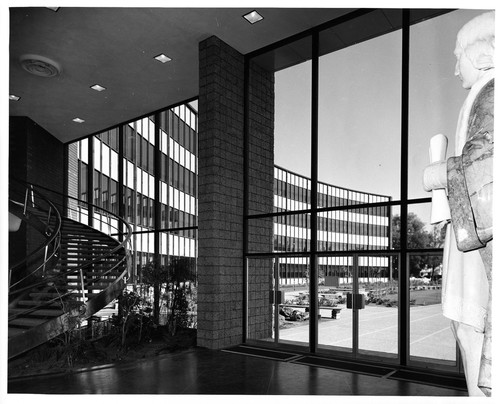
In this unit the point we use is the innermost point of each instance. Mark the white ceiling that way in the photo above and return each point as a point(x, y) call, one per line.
point(115, 47)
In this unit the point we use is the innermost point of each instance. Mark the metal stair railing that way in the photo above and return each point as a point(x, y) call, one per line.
point(117, 257)
point(40, 215)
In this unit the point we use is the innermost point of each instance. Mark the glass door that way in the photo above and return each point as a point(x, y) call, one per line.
point(292, 314)
point(336, 288)
point(358, 305)
point(377, 318)
point(278, 300)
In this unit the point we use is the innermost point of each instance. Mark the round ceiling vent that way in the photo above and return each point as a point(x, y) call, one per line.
point(40, 65)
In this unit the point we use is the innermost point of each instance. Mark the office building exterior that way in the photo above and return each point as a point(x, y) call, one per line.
point(146, 172)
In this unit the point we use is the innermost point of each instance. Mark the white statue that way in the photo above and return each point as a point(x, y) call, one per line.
point(468, 180)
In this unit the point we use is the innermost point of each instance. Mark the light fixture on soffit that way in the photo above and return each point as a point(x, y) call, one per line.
point(98, 87)
point(253, 16)
point(163, 58)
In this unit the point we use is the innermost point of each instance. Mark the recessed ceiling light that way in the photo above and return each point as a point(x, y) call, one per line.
point(252, 17)
point(162, 58)
point(13, 97)
point(97, 87)
point(78, 120)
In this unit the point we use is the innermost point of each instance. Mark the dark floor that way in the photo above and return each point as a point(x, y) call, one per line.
point(202, 371)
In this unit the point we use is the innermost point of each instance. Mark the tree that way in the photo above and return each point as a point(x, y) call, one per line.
point(175, 277)
point(181, 270)
point(418, 238)
point(155, 275)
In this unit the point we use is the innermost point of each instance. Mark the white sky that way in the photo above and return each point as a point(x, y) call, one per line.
point(360, 108)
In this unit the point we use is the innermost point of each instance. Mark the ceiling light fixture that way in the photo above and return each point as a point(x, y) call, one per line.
point(40, 65)
point(13, 97)
point(97, 87)
point(78, 120)
point(162, 58)
point(252, 17)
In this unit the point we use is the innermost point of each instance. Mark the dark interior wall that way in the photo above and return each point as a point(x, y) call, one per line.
point(35, 155)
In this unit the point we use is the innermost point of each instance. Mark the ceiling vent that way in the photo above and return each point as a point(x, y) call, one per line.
point(40, 65)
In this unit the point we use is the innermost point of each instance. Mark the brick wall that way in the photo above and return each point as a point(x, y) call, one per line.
point(260, 199)
point(221, 192)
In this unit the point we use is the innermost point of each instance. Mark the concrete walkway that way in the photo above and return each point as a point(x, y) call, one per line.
point(430, 333)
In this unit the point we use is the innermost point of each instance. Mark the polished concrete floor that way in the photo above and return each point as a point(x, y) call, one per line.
point(202, 371)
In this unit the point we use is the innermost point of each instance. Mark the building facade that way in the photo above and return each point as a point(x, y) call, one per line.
point(338, 230)
point(123, 178)
point(146, 172)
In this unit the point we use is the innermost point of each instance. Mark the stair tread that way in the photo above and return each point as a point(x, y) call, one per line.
point(31, 303)
point(14, 331)
point(80, 246)
point(27, 322)
point(37, 313)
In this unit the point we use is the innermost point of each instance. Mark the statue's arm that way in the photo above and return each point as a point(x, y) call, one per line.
point(470, 177)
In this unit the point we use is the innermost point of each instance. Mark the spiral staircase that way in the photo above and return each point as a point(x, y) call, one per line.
point(65, 271)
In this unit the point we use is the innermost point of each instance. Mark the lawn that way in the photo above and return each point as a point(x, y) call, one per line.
point(426, 297)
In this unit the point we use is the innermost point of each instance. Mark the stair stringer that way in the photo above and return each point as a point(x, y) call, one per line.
point(48, 330)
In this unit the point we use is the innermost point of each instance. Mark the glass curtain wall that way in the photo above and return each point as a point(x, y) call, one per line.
point(355, 264)
point(359, 143)
point(152, 163)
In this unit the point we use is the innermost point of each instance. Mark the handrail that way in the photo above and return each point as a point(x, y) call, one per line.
point(127, 234)
point(111, 256)
point(52, 237)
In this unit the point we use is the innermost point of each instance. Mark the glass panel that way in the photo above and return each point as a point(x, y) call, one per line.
point(430, 333)
point(292, 141)
point(359, 121)
point(436, 95)
point(335, 327)
point(422, 234)
point(292, 233)
point(354, 229)
point(260, 299)
point(294, 276)
point(378, 320)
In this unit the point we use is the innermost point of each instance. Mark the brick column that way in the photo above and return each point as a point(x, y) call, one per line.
point(260, 199)
point(221, 189)
point(220, 195)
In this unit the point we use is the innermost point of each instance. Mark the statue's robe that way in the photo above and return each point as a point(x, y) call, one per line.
point(467, 271)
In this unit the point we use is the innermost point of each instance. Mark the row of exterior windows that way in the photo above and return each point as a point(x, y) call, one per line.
point(293, 271)
point(180, 131)
point(170, 216)
point(335, 225)
point(178, 176)
point(300, 194)
point(296, 244)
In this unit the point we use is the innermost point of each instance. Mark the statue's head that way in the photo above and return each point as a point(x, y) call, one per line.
point(475, 48)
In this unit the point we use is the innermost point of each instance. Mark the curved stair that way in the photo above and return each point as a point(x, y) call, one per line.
point(88, 273)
